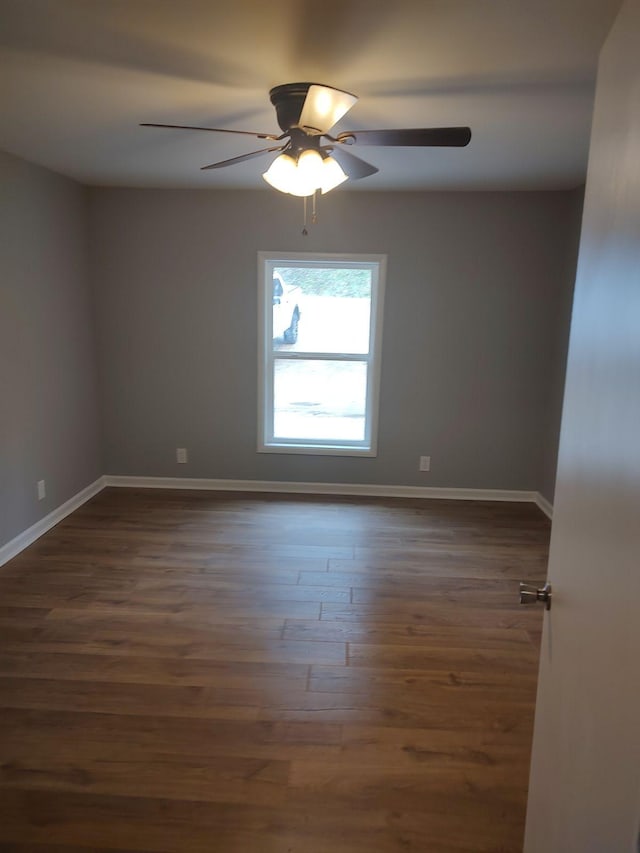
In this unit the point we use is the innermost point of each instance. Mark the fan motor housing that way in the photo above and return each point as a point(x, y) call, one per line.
point(288, 100)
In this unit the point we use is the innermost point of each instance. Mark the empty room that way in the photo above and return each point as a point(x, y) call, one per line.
point(320, 393)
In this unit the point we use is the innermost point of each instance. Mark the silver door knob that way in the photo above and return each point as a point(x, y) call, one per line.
point(529, 594)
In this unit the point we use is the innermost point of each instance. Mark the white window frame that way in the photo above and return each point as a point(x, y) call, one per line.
point(267, 262)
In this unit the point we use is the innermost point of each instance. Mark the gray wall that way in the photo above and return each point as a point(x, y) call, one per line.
point(48, 409)
point(478, 284)
point(559, 344)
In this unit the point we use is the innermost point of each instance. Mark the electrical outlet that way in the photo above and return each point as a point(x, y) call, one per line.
point(42, 490)
point(181, 455)
point(425, 463)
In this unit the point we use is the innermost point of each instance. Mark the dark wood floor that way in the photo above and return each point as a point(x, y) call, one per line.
point(187, 672)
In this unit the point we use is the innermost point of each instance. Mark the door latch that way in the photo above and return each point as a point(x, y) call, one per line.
point(529, 594)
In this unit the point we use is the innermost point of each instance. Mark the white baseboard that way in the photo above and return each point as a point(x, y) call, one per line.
point(24, 539)
point(354, 489)
point(544, 505)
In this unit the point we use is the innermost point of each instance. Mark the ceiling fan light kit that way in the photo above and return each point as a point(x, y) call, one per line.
point(310, 159)
point(310, 173)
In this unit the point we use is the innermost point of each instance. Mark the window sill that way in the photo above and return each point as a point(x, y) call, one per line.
point(317, 450)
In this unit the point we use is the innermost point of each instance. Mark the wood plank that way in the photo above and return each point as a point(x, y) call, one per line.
point(459, 685)
point(30, 847)
point(126, 698)
point(423, 636)
point(412, 657)
point(113, 593)
point(424, 612)
point(218, 779)
point(455, 561)
point(400, 710)
point(191, 672)
point(67, 637)
point(35, 732)
point(174, 826)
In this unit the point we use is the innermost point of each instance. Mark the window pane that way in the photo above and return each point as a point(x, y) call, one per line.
point(321, 309)
point(319, 399)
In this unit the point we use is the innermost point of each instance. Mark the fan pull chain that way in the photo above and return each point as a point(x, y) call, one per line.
point(314, 213)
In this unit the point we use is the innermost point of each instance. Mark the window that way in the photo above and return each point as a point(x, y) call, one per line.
point(320, 331)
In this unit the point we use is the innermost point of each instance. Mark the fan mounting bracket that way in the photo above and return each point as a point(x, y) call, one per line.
point(301, 141)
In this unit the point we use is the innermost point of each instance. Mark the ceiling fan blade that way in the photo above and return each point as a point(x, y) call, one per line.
point(352, 166)
point(233, 160)
point(323, 107)
point(450, 137)
point(213, 130)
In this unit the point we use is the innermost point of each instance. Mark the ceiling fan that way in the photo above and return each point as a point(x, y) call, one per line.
point(310, 159)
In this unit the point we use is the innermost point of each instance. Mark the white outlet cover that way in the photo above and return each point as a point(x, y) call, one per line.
point(42, 491)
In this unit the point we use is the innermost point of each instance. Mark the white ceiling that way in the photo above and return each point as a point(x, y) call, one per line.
point(77, 76)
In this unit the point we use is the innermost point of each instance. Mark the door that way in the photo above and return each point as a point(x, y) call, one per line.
point(585, 777)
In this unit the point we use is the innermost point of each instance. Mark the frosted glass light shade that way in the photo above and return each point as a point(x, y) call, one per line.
point(332, 175)
point(310, 169)
point(323, 107)
point(281, 174)
point(301, 189)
